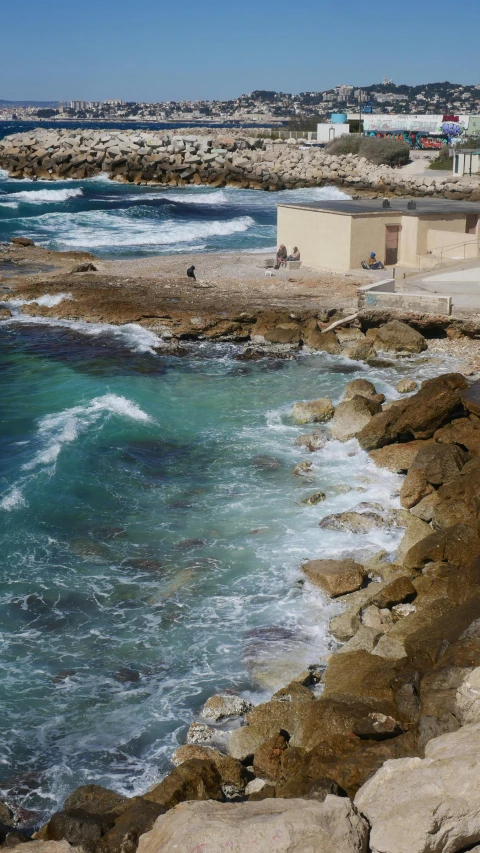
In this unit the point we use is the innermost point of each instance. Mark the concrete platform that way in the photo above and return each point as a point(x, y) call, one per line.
point(461, 282)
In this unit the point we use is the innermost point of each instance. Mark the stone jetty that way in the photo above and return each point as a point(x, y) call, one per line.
point(152, 158)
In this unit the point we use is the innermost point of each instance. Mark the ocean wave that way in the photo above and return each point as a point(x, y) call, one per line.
point(64, 427)
point(96, 229)
point(211, 197)
point(43, 196)
point(132, 335)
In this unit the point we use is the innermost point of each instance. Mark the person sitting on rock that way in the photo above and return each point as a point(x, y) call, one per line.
point(373, 263)
point(282, 255)
point(191, 272)
point(295, 256)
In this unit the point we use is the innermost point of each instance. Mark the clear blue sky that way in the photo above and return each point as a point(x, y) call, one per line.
point(153, 50)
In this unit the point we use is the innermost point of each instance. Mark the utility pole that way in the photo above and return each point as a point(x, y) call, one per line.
point(360, 111)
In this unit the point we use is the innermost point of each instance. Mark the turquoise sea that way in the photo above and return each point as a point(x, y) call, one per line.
point(152, 529)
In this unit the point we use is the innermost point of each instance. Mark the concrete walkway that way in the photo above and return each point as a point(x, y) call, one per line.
point(461, 282)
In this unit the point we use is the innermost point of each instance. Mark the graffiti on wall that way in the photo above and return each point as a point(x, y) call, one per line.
point(415, 140)
point(417, 129)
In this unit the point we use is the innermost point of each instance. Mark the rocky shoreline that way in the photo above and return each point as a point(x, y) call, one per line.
point(216, 159)
point(377, 749)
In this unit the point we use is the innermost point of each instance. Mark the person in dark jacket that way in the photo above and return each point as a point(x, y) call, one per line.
point(191, 272)
point(373, 263)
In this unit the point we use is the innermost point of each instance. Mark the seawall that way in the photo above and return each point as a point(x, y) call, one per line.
point(163, 157)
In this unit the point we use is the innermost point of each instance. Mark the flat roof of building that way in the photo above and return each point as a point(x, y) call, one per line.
point(371, 206)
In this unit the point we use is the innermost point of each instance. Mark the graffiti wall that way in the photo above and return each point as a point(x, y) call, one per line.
point(420, 131)
point(414, 139)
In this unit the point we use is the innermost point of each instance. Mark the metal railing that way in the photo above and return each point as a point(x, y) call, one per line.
point(448, 247)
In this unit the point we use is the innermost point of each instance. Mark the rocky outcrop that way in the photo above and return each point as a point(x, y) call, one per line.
point(166, 157)
point(282, 826)
point(418, 416)
point(429, 805)
point(335, 577)
point(352, 415)
point(398, 337)
point(314, 411)
point(192, 780)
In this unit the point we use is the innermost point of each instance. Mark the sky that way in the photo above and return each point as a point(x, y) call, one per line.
point(157, 50)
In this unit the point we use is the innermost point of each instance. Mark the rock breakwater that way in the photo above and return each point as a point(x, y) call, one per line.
point(154, 158)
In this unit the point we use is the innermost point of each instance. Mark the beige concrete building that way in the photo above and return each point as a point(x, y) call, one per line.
point(339, 235)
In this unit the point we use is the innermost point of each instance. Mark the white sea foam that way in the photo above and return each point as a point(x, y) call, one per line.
point(206, 197)
point(56, 430)
point(44, 196)
point(48, 300)
point(12, 500)
point(134, 336)
point(99, 228)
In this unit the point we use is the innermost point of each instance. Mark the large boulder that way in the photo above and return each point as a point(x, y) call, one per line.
point(416, 530)
point(433, 465)
point(415, 488)
point(352, 415)
point(467, 698)
point(192, 780)
point(463, 431)
point(233, 773)
point(313, 411)
point(396, 336)
point(419, 416)
point(397, 457)
point(78, 827)
point(323, 341)
point(222, 705)
point(458, 501)
point(268, 826)
point(351, 521)
point(406, 386)
point(363, 387)
point(138, 818)
point(268, 757)
point(95, 799)
point(429, 805)
point(335, 577)
point(458, 545)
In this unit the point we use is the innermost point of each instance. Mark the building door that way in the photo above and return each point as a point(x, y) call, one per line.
point(471, 223)
point(391, 244)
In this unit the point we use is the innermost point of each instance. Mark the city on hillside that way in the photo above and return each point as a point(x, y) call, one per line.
point(263, 106)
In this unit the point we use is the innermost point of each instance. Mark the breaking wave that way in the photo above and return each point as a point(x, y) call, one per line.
point(42, 196)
